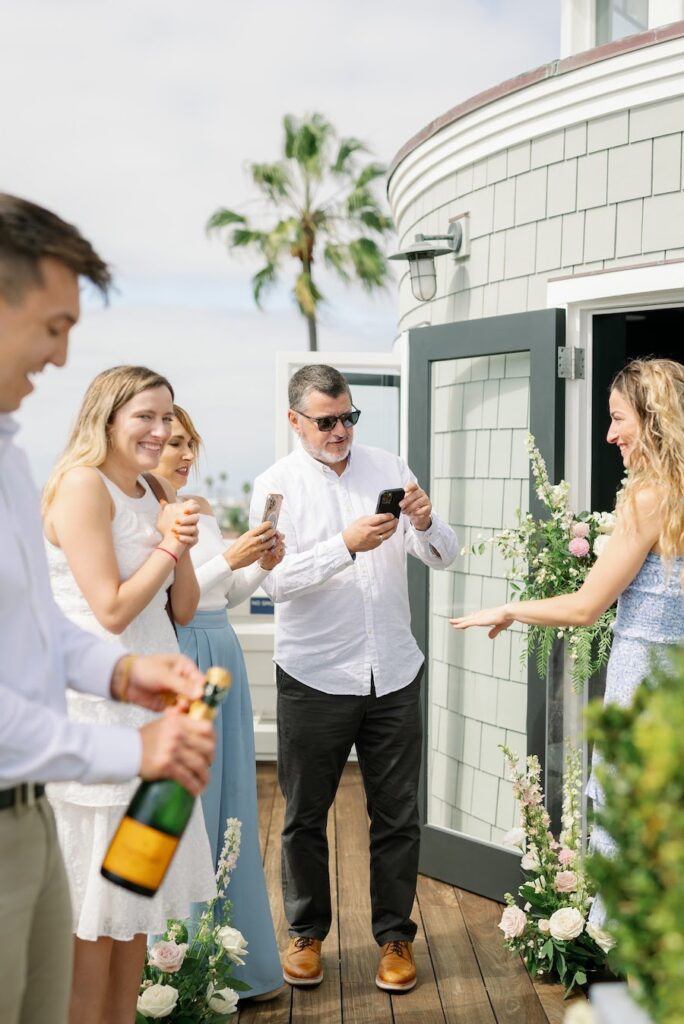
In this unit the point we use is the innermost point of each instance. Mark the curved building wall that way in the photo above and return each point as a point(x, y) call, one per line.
point(574, 167)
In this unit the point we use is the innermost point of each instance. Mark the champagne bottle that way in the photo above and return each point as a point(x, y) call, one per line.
point(143, 846)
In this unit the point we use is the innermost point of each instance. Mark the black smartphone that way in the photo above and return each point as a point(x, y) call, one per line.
point(388, 501)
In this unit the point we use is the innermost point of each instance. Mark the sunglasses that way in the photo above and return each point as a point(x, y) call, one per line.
point(327, 423)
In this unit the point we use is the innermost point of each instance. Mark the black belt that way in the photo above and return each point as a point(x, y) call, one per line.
point(25, 793)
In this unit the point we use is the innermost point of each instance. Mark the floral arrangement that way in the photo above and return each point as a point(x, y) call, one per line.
point(187, 978)
point(642, 888)
point(551, 933)
point(553, 556)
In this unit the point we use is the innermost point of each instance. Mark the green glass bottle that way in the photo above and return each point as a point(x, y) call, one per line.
point(146, 840)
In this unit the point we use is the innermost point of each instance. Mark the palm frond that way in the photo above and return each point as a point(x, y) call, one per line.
point(240, 238)
point(370, 263)
point(346, 150)
point(307, 141)
point(222, 217)
point(307, 295)
point(371, 172)
point(376, 221)
point(263, 280)
point(336, 256)
point(272, 179)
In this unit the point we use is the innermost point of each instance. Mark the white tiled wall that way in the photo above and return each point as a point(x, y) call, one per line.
point(478, 689)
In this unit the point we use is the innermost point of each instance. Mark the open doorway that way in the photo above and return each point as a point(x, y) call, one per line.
point(617, 338)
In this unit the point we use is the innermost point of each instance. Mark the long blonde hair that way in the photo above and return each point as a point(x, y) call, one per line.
point(655, 390)
point(87, 445)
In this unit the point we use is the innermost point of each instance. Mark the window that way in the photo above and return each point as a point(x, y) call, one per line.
point(618, 18)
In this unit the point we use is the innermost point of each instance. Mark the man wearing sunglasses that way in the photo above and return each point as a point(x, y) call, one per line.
point(347, 666)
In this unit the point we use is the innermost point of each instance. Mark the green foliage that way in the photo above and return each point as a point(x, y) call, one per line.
point(543, 564)
point(554, 881)
point(203, 954)
point(642, 748)
point(322, 197)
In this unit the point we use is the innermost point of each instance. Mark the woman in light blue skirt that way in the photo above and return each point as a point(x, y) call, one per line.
point(227, 576)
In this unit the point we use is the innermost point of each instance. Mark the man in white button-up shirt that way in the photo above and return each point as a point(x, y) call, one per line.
point(41, 652)
point(348, 666)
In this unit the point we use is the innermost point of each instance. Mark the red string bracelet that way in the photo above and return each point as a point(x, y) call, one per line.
point(160, 548)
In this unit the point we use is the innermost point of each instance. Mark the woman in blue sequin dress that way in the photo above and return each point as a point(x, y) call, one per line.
point(642, 565)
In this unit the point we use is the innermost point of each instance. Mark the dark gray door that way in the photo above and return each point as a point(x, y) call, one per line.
point(476, 389)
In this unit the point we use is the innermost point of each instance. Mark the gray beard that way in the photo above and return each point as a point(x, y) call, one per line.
point(327, 457)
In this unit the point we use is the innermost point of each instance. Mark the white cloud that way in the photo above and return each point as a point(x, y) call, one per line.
point(136, 119)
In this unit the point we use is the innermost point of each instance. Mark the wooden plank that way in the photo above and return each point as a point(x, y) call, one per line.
point(550, 995)
point(462, 989)
point(266, 787)
point(275, 1011)
point(422, 1005)
point(510, 990)
point(362, 1001)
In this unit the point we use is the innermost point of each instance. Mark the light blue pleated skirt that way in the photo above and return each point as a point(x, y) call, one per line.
point(231, 793)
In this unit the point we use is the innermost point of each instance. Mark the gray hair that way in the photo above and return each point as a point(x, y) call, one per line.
point(316, 377)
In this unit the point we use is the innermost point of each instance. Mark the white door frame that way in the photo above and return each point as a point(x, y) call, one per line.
point(287, 363)
point(645, 286)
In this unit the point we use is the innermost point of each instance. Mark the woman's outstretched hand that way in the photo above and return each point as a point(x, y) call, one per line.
point(498, 618)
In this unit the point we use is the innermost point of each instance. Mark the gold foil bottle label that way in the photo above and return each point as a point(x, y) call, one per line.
point(140, 854)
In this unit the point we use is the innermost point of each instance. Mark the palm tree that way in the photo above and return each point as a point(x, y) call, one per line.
point(321, 197)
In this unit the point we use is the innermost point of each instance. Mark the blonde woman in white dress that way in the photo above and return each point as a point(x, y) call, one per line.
point(113, 553)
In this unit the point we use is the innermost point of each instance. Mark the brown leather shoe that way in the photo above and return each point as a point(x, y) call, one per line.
point(302, 962)
point(397, 969)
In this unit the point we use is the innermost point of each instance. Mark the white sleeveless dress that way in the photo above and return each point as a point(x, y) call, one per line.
point(87, 816)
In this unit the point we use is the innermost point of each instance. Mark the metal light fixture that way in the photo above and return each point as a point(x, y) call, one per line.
point(421, 259)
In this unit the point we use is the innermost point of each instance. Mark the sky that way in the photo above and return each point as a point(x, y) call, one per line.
point(136, 120)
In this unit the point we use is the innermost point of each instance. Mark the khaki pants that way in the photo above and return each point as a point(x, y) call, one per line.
point(36, 943)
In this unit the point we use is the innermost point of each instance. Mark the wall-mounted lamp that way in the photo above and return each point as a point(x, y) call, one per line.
point(421, 259)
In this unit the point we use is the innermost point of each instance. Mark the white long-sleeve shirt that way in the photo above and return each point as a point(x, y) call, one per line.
point(343, 617)
point(219, 584)
point(41, 652)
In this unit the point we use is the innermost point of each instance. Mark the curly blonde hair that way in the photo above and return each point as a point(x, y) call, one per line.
point(654, 388)
point(87, 445)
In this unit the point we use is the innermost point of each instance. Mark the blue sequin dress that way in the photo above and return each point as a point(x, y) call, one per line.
point(650, 615)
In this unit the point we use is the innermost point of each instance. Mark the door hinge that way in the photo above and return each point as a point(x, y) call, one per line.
point(570, 363)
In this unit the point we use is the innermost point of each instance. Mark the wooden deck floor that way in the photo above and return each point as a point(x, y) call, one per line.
point(464, 973)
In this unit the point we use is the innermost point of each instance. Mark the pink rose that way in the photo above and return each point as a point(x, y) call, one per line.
point(544, 926)
point(513, 922)
point(580, 529)
point(565, 881)
point(579, 546)
point(566, 856)
point(167, 956)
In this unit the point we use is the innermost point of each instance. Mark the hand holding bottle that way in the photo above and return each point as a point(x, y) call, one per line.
point(150, 680)
point(178, 747)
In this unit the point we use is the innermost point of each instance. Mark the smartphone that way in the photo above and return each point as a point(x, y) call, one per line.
point(388, 501)
point(272, 509)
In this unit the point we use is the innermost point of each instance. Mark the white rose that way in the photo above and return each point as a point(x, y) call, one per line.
point(566, 923)
point(515, 837)
point(167, 956)
point(234, 943)
point(157, 1001)
point(530, 860)
point(602, 939)
point(580, 1013)
point(512, 922)
point(543, 925)
point(600, 544)
point(222, 1000)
